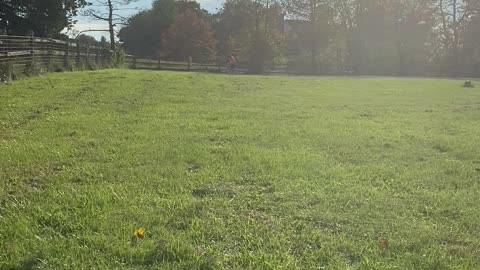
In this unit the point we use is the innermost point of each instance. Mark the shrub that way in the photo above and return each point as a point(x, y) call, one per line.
point(6, 72)
point(71, 66)
point(34, 68)
point(54, 66)
point(280, 60)
point(81, 65)
point(119, 58)
point(302, 64)
point(91, 65)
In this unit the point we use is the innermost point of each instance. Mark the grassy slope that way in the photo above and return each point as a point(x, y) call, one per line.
point(238, 172)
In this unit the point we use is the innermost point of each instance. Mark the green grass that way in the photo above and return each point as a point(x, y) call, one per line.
point(238, 172)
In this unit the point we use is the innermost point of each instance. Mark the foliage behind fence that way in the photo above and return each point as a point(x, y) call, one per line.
point(24, 55)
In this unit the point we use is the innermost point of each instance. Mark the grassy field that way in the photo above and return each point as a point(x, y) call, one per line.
point(238, 172)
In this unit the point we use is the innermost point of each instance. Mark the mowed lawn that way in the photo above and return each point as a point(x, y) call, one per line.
point(238, 172)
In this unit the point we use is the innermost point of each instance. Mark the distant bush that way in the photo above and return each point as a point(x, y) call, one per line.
point(90, 65)
point(55, 66)
point(81, 65)
point(71, 66)
point(119, 58)
point(302, 65)
point(6, 72)
point(280, 60)
point(34, 68)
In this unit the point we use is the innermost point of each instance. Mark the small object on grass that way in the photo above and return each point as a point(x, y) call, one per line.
point(383, 243)
point(468, 84)
point(139, 233)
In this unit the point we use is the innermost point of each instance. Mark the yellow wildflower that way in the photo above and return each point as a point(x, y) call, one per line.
point(140, 232)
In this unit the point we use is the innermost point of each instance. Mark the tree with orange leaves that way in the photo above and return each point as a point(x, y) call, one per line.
point(189, 36)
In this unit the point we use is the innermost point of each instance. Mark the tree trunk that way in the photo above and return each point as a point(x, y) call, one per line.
point(444, 26)
point(111, 26)
point(266, 18)
point(455, 39)
point(398, 43)
point(313, 49)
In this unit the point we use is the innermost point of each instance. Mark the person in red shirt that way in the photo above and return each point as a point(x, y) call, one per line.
point(231, 62)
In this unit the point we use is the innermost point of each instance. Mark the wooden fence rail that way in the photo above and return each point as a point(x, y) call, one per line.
point(219, 66)
point(22, 51)
point(157, 64)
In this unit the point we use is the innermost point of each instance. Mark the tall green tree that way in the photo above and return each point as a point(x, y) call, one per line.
point(455, 21)
point(371, 37)
point(250, 29)
point(41, 17)
point(142, 34)
point(390, 36)
point(315, 35)
point(471, 42)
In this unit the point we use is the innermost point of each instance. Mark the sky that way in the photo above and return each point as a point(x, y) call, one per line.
point(89, 24)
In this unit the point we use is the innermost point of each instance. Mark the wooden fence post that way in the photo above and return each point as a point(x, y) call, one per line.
point(96, 55)
point(159, 65)
point(189, 63)
point(87, 54)
point(51, 61)
point(67, 54)
point(104, 56)
point(7, 75)
point(32, 47)
point(78, 52)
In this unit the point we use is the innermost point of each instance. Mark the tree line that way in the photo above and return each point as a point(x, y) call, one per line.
point(362, 37)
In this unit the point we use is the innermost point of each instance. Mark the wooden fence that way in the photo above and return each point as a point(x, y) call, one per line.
point(20, 51)
point(218, 66)
point(158, 64)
